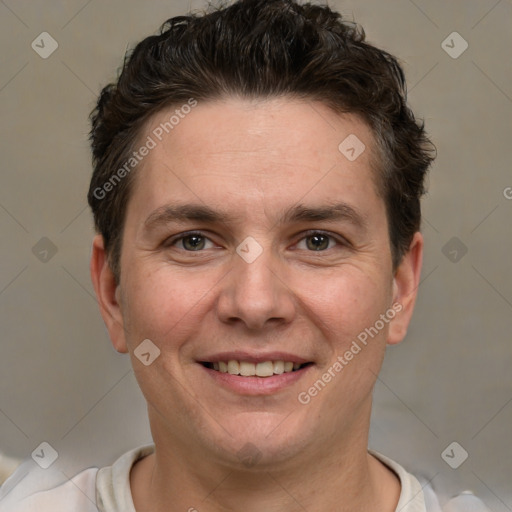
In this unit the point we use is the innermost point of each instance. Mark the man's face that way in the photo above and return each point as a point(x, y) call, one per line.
point(299, 290)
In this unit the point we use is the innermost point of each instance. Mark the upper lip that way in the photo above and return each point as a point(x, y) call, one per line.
point(253, 357)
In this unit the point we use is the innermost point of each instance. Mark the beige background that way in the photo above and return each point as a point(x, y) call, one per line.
point(60, 380)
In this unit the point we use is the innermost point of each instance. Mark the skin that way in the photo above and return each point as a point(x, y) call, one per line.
point(254, 160)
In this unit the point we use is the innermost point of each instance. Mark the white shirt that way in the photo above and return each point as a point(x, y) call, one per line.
point(108, 489)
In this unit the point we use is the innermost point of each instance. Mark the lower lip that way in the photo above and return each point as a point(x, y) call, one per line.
point(257, 385)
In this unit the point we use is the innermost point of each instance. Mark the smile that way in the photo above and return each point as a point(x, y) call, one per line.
point(249, 369)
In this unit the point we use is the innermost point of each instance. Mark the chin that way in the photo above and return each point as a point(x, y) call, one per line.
point(260, 441)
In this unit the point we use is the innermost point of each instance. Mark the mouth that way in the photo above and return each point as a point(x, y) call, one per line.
point(255, 374)
point(263, 369)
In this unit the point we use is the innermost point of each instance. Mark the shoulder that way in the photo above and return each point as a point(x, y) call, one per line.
point(113, 482)
point(28, 490)
point(419, 496)
point(415, 496)
point(31, 488)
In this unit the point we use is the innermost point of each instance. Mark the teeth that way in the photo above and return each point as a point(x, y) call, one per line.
point(264, 369)
point(278, 367)
point(233, 367)
point(247, 369)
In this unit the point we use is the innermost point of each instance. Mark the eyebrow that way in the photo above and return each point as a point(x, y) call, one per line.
point(298, 213)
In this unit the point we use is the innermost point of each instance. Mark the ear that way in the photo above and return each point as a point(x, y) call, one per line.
point(107, 293)
point(405, 288)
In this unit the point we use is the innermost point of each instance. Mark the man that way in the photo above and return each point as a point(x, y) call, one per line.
point(256, 193)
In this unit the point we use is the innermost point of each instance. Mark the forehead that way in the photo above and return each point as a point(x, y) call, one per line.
point(238, 151)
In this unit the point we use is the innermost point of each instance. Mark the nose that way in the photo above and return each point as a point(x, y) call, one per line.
point(255, 294)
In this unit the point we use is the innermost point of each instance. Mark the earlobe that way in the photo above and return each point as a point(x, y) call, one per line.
point(405, 288)
point(107, 294)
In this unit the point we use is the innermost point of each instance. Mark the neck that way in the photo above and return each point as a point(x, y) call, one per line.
point(342, 479)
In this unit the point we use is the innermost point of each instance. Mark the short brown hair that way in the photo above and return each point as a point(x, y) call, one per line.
point(261, 49)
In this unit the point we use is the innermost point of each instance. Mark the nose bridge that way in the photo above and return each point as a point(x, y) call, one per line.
point(256, 276)
point(255, 293)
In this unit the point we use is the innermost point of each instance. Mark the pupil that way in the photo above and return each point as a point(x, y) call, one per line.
point(319, 242)
point(194, 242)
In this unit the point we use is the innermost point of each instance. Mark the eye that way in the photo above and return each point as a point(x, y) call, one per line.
point(319, 241)
point(192, 242)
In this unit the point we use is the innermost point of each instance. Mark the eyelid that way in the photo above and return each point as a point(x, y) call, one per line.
point(339, 239)
point(171, 241)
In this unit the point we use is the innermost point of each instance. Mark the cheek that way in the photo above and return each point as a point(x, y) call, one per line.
point(345, 302)
point(162, 305)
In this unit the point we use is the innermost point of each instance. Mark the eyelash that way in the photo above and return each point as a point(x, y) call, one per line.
point(339, 240)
